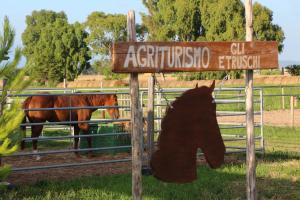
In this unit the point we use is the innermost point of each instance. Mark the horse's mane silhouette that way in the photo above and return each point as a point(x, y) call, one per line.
point(190, 123)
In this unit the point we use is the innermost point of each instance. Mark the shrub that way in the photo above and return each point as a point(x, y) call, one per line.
point(10, 118)
point(189, 76)
point(293, 70)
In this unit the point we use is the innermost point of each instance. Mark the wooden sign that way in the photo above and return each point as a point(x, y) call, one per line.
point(143, 57)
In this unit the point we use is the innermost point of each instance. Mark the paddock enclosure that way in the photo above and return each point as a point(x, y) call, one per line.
point(55, 145)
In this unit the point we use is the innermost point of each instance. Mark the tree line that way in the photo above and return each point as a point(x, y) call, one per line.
point(55, 49)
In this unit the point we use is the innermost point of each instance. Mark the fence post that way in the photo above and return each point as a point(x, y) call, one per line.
point(239, 98)
point(136, 119)
point(159, 108)
point(282, 97)
point(150, 118)
point(292, 111)
point(251, 167)
point(262, 140)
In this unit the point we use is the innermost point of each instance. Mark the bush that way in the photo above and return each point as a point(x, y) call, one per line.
point(270, 72)
point(103, 67)
point(10, 117)
point(109, 75)
point(293, 70)
point(189, 76)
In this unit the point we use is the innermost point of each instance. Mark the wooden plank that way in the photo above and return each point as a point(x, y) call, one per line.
point(292, 105)
point(153, 57)
point(150, 118)
point(282, 98)
point(136, 120)
point(250, 154)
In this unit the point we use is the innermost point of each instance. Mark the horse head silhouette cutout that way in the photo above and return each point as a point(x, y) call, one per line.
point(190, 123)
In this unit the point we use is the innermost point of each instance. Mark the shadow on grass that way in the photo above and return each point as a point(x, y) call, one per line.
point(276, 156)
point(269, 156)
point(50, 145)
point(225, 183)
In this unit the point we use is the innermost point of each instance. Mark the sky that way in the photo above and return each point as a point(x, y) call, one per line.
point(285, 13)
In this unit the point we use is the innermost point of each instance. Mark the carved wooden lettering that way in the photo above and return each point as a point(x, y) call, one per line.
point(193, 56)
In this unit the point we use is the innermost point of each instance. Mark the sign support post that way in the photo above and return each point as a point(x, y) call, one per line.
point(251, 168)
point(150, 117)
point(136, 119)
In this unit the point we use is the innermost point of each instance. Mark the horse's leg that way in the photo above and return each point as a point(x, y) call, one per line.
point(76, 139)
point(36, 132)
point(85, 129)
point(23, 131)
point(89, 141)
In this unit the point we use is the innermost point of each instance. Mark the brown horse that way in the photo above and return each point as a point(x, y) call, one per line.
point(80, 100)
point(190, 123)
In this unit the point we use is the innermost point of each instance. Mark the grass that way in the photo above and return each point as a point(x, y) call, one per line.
point(57, 144)
point(275, 102)
point(278, 177)
point(270, 102)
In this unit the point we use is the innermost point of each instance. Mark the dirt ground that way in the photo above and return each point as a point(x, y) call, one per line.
point(68, 173)
point(270, 118)
point(60, 174)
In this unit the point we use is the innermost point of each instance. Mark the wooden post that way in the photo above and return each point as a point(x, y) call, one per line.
point(136, 119)
point(262, 140)
point(282, 97)
point(150, 118)
point(251, 168)
point(239, 98)
point(292, 111)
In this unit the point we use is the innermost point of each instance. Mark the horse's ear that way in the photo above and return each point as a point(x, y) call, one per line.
point(212, 87)
point(196, 85)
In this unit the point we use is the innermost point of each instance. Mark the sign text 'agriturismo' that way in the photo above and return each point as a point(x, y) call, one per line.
point(193, 56)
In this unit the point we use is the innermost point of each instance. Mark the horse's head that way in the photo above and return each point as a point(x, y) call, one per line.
point(112, 100)
point(188, 125)
point(106, 100)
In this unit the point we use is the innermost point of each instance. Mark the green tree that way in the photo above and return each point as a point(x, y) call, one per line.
point(263, 26)
point(207, 20)
point(104, 30)
point(293, 70)
point(10, 118)
point(53, 47)
point(223, 20)
point(173, 20)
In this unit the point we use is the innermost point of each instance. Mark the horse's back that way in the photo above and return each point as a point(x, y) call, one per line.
point(36, 102)
point(42, 101)
point(72, 101)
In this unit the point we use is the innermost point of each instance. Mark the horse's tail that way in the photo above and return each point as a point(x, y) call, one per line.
point(22, 127)
point(25, 105)
point(26, 102)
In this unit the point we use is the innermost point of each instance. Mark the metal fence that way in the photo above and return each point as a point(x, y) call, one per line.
point(230, 103)
point(123, 107)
